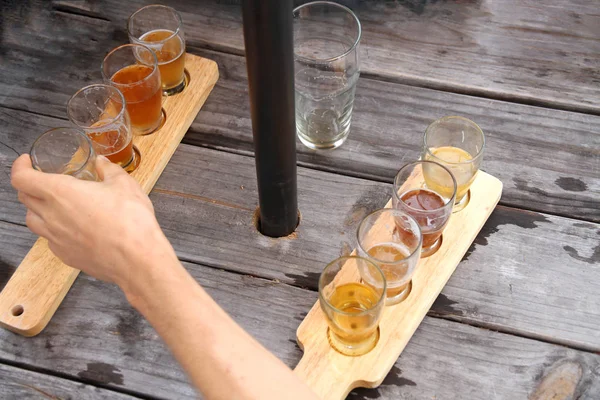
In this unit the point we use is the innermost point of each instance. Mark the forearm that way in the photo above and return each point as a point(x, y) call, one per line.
point(222, 360)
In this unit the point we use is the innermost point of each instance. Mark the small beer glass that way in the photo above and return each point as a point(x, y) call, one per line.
point(133, 69)
point(66, 151)
point(353, 308)
point(431, 210)
point(99, 110)
point(391, 239)
point(326, 38)
point(160, 28)
point(457, 143)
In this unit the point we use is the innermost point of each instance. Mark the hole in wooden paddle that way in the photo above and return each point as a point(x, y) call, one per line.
point(256, 223)
point(17, 310)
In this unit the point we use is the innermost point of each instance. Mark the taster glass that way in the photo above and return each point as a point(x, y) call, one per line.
point(326, 38)
point(353, 308)
point(432, 210)
point(457, 143)
point(160, 28)
point(392, 239)
point(66, 151)
point(133, 69)
point(99, 110)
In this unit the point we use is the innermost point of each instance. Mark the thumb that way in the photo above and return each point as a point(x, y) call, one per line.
point(108, 171)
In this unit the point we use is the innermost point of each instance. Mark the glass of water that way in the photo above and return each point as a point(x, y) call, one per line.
point(326, 38)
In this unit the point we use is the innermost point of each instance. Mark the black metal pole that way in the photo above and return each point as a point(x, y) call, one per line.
point(268, 35)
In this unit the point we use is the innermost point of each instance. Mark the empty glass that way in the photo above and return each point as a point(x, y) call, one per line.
point(100, 111)
point(391, 239)
point(432, 210)
point(66, 151)
point(326, 38)
point(160, 28)
point(457, 143)
point(353, 308)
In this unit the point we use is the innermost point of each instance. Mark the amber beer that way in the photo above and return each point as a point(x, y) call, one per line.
point(170, 55)
point(396, 275)
point(116, 146)
point(353, 325)
point(160, 28)
point(143, 96)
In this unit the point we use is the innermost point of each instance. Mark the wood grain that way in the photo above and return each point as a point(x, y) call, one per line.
point(205, 200)
point(36, 289)
point(333, 375)
point(16, 383)
point(526, 51)
point(548, 160)
point(95, 336)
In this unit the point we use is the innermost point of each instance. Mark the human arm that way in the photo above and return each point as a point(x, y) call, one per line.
point(83, 220)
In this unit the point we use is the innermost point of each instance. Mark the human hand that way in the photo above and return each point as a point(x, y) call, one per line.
point(97, 227)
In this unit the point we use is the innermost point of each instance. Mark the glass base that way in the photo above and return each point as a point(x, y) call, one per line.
point(426, 252)
point(179, 88)
point(353, 349)
point(135, 161)
point(323, 146)
point(163, 118)
point(463, 202)
point(400, 297)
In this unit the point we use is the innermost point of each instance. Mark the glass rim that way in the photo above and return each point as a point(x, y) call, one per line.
point(156, 6)
point(450, 201)
point(446, 118)
point(382, 297)
point(79, 132)
point(112, 89)
point(154, 69)
point(412, 220)
point(354, 45)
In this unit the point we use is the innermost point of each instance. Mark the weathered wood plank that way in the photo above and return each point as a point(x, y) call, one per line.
point(96, 336)
point(16, 383)
point(549, 161)
point(205, 206)
point(518, 50)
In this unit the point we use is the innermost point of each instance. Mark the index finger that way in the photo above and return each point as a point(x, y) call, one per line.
point(27, 180)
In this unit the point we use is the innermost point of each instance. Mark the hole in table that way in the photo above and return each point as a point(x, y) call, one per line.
point(256, 223)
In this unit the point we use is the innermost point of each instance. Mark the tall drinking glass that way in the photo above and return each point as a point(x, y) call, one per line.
point(99, 110)
point(391, 239)
point(457, 143)
point(133, 69)
point(353, 308)
point(326, 38)
point(160, 28)
point(432, 210)
point(66, 151)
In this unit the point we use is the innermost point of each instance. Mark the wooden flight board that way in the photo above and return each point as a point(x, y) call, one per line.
point(41, 281)
point(333, 375)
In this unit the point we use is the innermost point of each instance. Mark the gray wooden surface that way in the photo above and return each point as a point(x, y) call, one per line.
point(544, 53)
point(201, 202)
point(95, 335)
point(521, 315)
point(548, 160)
point(19, 384)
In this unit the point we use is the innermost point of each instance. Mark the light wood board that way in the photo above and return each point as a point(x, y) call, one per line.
point(332, 375)
point(41, 282)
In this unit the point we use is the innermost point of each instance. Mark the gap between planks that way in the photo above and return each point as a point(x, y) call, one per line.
point(71, 378)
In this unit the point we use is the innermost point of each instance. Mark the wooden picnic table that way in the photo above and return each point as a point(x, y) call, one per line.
point(520, 318)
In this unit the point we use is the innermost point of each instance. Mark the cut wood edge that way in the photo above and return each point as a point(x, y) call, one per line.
point(332, 375)
point(40, 283)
